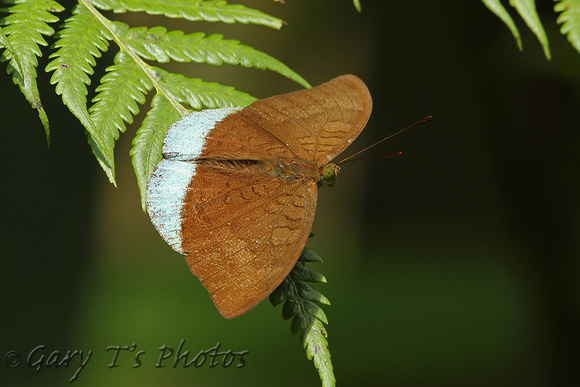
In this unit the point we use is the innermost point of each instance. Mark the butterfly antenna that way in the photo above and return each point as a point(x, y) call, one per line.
point(349, 160)
point(424, 120)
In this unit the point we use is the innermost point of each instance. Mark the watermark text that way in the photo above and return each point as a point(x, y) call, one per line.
point(40, 357)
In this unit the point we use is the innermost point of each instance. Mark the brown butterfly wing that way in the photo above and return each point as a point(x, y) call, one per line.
point(313, 124)
point(245, 233)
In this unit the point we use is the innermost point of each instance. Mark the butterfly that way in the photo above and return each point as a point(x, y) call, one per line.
point(236, 189)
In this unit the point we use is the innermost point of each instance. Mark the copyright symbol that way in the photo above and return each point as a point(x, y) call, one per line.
point(12, 359)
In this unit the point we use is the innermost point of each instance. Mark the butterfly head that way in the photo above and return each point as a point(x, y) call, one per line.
point(330, 173)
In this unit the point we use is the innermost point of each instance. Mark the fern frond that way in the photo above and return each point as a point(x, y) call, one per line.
point(498, 9)
point(146, 151)
point(198, 94)
point(80, 41)
point(316, 345)
point(527, 10)
point(122, 87)
point(194, 10)
point(301, 303)
point(570, 20)
point(157, 44)
point(24, 26)
point(86, 35)
point(108, 116)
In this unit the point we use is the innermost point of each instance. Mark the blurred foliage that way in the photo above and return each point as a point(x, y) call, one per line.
point(569, 18)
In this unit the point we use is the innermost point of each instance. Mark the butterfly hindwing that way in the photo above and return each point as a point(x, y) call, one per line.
point(244, 233)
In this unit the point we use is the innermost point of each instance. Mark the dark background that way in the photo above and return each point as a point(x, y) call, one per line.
point(454, 264)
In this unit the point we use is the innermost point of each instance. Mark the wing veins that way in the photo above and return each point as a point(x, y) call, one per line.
point(290, 202)
point(250, 207)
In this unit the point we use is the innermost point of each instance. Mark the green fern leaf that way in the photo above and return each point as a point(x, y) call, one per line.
point(16, 63)
point(498, 9)
point(316, 345)
point(309, 255)
point(527, 10)
point(309, 293)
point(303, 273)
point(570, 20)
point(194, 10)
point(25, 25)
point(124, 85)
point(146, 151)
point(81, 40)
point(157, 44)
point(198, 94)
point(305, 313)
point(300, 303)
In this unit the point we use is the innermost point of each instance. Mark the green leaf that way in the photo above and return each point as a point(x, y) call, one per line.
point(301, 320)
point(527, 10)
point(309, 255)
point(357, 5)
point(146, 151)
point(498, 9)
point(281, 293)
point(194, 10)
point(316, 311)
point(198, 94)
point(122, 87)
point(16, 62)
point(303, 273)
point(22, 36)
point(316, 345)
point(570, 20)
point(307, 292)
point(290, 309)
point(82, 39)
point(304, 312)
point(307, 316)
point(156, 44)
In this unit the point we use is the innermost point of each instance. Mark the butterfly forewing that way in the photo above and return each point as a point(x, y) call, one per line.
point(314, 124)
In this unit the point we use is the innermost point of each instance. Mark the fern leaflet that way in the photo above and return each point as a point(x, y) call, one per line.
point(16, 63)
point(498, 9)
point(124, 85)
point(527, 10)
point(82, 39)
point(570, 20)
point(301, 303)
point(193, 10)
point(22, 36)
point(146, 151)
point(159, 45)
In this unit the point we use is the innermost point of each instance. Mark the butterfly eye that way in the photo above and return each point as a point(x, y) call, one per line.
point(330, 173)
